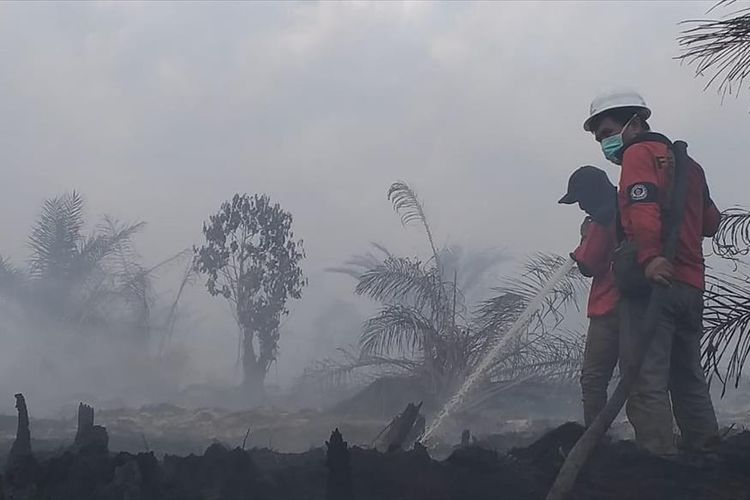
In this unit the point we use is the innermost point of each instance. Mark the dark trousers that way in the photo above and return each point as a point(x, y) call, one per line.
point(671, 367)
point(599, 361)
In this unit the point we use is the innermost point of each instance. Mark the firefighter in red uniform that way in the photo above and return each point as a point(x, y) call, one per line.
point(591, 189)
point(671, 367)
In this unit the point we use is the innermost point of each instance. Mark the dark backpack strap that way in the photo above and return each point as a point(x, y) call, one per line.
point(674, 218)
point(619, 229)
point(649, 137)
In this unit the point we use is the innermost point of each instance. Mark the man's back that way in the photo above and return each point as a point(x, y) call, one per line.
point(644, 198)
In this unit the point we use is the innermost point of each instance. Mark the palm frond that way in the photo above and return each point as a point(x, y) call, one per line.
point(349, 367)
point(113, 242)
point(402, 279)
point(55, 237)
point(720, 47)
point(6, 267)
point(188, 278)
point(733, 237)
point(407, 205)
point(358, 264)
point(549, 356)
point(12, 280)
point(453, 350)
point(726, 324)
point(538, 270)
point(108, 281)
point(502, 310)
point(137, 290)
point(8, 272)
point(547, 360)
point(331, 372)
point(396, 328)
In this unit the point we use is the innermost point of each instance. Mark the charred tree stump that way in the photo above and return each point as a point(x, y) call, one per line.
point(403, 428)
point(85, 422)
point(465, 438)
point(90, 437)
point(416, 432)
point(339, 485)
point(22, 445)
point(21, 468)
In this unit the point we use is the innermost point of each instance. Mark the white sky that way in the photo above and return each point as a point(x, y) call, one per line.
point(161, 111)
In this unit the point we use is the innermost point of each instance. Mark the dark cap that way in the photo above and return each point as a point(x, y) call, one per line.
point(585, 181)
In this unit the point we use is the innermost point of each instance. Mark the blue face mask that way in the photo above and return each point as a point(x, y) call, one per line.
point(613, 145)
point(612, 148)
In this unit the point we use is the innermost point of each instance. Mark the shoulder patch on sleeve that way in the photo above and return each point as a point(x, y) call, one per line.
point(642, 192)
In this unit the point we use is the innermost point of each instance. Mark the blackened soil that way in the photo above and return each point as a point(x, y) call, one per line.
point(617, 471)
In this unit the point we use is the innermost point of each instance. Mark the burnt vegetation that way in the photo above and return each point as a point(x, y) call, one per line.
point(435, 320)
point(339, 471)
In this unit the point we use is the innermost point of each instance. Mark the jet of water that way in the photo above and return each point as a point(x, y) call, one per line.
point(514, 332)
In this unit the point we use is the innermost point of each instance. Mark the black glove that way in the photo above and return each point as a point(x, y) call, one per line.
point(583, 269)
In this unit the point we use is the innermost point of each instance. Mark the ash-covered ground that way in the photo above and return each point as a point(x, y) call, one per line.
point(168, 452)
point(483, 469)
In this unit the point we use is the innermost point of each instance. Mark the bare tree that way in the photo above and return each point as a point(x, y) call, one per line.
point(251, 259)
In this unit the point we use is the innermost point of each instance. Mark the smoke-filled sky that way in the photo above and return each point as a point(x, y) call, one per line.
point(160, 111)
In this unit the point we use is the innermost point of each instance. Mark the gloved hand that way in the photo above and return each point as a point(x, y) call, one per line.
point(581, 267)
point(659, 270)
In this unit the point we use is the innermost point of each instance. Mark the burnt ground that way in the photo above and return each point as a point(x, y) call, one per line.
point(338, 472)
point(167, 452)
point(515, 420)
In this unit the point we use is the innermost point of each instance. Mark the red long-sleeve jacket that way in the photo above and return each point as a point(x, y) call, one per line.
point(644, 195)
point(594, 258)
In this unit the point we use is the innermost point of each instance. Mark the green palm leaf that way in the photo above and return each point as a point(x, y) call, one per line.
point(408, 206)
point(719, 47)
point(395, 328)
point(111, 243)
point(500, 311)
point(402, 279)
point(12, 280)
point(359, 264)
point(55, 237)
point(726, 324)
point(733, 237)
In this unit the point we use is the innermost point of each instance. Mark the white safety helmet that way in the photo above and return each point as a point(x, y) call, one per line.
point(616, 99)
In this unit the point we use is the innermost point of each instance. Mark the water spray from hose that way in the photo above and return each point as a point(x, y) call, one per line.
point(513, 333)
